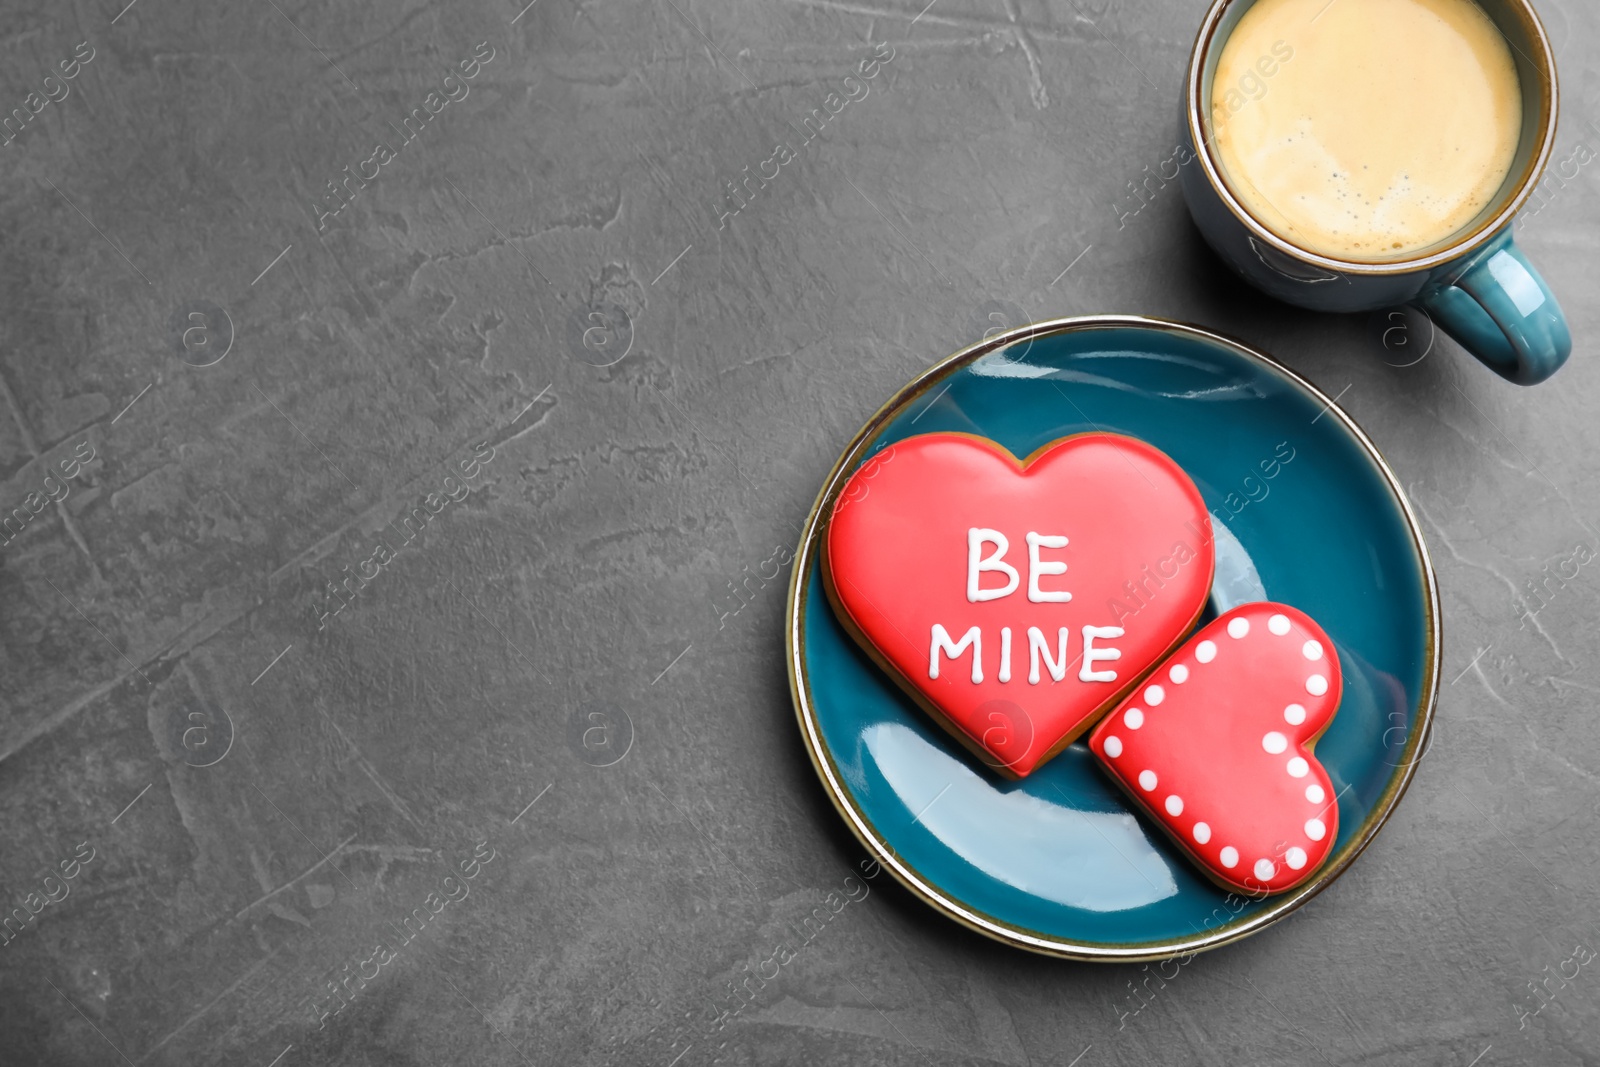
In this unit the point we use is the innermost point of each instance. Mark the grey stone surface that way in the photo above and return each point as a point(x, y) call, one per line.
point(265, 794)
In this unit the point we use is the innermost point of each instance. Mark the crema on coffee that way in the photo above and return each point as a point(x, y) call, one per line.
point(1365, 129)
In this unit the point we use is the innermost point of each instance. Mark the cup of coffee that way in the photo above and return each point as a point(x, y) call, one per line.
point(1360, 154)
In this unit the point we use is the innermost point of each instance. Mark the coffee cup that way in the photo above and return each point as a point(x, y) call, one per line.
point(1357, 241)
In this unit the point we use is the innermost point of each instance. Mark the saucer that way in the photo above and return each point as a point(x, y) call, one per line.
point(1059, 862)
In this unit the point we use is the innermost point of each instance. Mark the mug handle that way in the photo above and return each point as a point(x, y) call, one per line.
point(1501, 311)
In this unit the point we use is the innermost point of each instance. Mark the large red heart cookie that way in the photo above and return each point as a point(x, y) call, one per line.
point(1216, 747)
point(1016, 601)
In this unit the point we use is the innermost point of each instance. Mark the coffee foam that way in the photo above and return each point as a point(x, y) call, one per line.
point(1365, 129)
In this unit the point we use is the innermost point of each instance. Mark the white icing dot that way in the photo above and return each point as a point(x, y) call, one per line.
point(1154, 695)
point(1205, 652)
point(1315, 794)
point(1315, 829)
point(1113, 745)
point(1278, 624)
point(1230, 856)
point(1265, 869)
point(1316, 685)
point(1312, 650)
point(1202, 832)
point(1294, 714)
point(1134, 718)
point(1298, 768)
point(1237, 628)
point(1174, 805)
point(1295, 858)
point(1274, 742)
point(1179, 673)
point(1147, 780)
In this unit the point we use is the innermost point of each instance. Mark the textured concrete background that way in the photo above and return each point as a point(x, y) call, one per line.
point(249, 797)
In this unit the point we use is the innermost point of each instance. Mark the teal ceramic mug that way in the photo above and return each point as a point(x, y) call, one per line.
point(1476, 284)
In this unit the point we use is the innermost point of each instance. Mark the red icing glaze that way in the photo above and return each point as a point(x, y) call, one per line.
point(1138, 556)
point(1231, 742)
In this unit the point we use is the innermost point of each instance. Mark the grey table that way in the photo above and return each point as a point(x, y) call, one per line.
point(579, 387)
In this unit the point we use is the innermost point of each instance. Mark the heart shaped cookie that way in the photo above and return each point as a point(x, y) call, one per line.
point(1216, 747)
point(1017, 600)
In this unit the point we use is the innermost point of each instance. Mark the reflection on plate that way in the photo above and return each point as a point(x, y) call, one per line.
point(1014, 835)
point(1058, 862)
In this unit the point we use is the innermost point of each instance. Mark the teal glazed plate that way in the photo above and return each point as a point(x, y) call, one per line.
point(1305, 512)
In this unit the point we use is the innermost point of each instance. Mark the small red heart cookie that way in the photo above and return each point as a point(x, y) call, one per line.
point(1216, 747)
point(1016, 601)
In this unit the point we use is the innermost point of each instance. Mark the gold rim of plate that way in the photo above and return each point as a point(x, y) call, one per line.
point(923, 887)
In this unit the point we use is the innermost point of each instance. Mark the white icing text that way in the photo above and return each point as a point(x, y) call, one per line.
point(978, 563)
point(942, 646)
point(986, 554)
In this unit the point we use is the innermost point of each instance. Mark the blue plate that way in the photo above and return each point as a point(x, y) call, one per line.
point(1306, 512)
